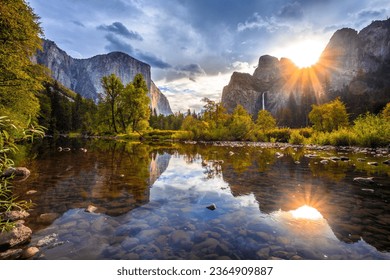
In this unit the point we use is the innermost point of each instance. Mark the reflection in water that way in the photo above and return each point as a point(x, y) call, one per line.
point(152, 205)
point(306, 212)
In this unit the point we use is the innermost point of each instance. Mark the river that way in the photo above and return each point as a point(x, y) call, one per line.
point(207, 201)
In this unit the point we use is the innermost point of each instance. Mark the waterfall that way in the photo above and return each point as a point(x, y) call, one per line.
point(263, 101)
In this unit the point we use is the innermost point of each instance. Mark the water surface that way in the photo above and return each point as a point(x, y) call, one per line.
point(271, 203)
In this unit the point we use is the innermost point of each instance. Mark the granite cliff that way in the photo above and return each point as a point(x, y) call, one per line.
point(354, 65)
point(83, 75)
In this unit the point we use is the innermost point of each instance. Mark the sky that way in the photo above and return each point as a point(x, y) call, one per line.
point(193, 46)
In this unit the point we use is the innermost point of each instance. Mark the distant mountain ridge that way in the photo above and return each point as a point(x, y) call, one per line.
point(83, 76)
point(354, 65)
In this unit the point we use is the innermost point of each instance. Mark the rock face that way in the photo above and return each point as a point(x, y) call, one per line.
point(353, 63)
point(83, 75)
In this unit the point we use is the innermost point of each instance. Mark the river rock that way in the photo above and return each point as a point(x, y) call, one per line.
point(30, 192)
point(324, 161)
point(373, 163)
point(48, 240)
point(211, 207)
point(386, 162)
point(14, 215)
point(365, 181)
point(47, 218)
point(130, 243)
point(11, 254)
point(19, 173)
point(179, 237)
point(19, 235)
point(91, 209)
point(30, 252)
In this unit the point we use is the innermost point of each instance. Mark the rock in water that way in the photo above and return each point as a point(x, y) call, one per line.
point(30, 252)
point(365, 181)
point(19, 235)
point(212, 207)
point(91, 209)
point(19, 173)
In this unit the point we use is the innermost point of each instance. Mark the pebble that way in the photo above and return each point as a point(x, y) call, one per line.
point(30, 252)
point(211, 207)
point(47, 218)
point(91, 209)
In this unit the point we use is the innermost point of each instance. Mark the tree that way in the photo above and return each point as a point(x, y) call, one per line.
point(241, 125)
point(112, 87)
point(265, 121)
point(133, 105)
point(329, 116)
point(386, 112)
point(20, 79)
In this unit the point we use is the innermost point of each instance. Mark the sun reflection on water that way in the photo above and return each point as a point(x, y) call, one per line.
point(306, 212)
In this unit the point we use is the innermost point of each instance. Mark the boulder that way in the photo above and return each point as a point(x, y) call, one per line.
point(19, 235)
point(14, 215)
point(19, 173)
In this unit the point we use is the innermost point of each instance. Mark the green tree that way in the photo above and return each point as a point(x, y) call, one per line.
point(20, 79)
point(112, 87)
point(386, 112)
point(265, 121)
point(214, 113)
point(241, 126)
point(133, 105)
point(329, 116)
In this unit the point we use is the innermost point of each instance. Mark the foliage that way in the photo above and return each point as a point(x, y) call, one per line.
point(126, 107)
point(198, 128)
point(20, 79)
point(279, 135)
point(386, 112)
point(329, 116)
point(265, 121)
point(241, 126)
point(63, 111)
point(112, 87)
point(170, 122)
point(9, 134)
point(372, 130)
point(296, 138)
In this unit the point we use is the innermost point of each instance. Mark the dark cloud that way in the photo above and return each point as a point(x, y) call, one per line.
point(152, 59)
point(76, 22)
point(291, 11)
point(371, 14)
point(116, 44)
point(119, 29)
point(190, 71)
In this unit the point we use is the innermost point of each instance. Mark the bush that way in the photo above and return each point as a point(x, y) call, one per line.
point(372, 130)
point(296, 138)
point(279, 135)
point(320, 138)
point(343, 137)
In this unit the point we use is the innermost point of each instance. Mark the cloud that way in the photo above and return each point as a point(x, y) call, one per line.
point(372, 14)
point(76, 22)
point(152, 59)
point(256, 21)
point(190, 71)
point(119, 29)
point(291, 11)
point(117, 44)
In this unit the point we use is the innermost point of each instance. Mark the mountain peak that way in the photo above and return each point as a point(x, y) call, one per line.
point(84, 75)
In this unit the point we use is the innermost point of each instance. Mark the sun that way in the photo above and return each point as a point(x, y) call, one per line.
point(303, 53)
point(306, 212)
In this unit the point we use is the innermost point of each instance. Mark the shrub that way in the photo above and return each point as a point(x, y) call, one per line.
point(372, 130)
point(279, 135)
point(343, 137)
point(296, 138)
